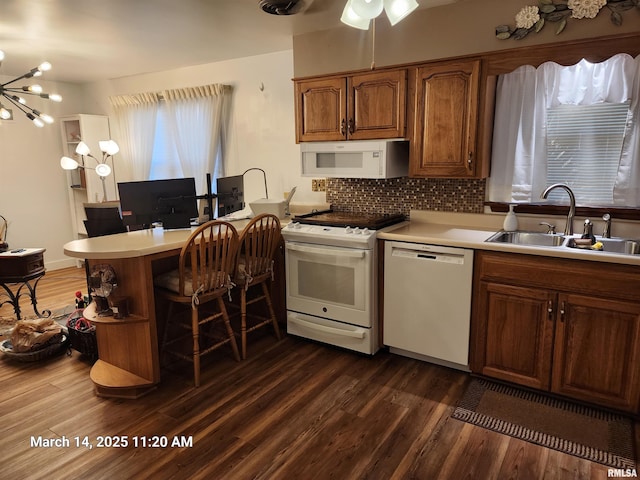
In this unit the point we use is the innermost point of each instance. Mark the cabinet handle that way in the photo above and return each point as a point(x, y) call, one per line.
point(550, 309)
point(351, 126)
point(470, 161)
point(342, 125)
point(562, 312)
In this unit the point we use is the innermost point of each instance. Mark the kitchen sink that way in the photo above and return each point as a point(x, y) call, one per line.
point(528, 238)
point(612, 245)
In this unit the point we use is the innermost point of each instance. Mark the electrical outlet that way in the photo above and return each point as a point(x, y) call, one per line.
point(319, 185)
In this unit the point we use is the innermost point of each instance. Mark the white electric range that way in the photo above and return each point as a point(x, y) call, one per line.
point(331, 273)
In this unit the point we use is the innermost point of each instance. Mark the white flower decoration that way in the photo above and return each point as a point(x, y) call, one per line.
point(585, 8)
point(528, 16)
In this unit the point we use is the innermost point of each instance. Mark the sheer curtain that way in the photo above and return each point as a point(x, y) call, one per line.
point(198, 120)
point(519, 159)
point(136, 126)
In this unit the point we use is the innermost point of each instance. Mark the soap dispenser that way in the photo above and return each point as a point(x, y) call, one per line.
point(510, 221)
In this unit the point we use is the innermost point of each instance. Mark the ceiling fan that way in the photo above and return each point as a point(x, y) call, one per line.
point(284, 7)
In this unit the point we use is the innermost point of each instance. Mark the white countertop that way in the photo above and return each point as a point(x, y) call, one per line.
point(155, 240)
point(471, 231)
point(134, 244)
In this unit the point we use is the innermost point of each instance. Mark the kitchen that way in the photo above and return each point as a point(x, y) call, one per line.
point(441, 194)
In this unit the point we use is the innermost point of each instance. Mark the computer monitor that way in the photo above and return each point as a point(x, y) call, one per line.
point(230, 193)
point(103, 219)
point(172, 202)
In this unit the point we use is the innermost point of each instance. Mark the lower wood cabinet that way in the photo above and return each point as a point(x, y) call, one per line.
point(564, 326)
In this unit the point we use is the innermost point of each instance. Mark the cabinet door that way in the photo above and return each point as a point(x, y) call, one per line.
point(321, 109)
point(596, 351)
point(377, 105)
point(444, 143)
point(516, 328)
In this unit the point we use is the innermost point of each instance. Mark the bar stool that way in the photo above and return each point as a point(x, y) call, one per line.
point(254, 268)
point(201, 280)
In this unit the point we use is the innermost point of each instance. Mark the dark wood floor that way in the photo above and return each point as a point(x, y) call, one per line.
point(292, 410)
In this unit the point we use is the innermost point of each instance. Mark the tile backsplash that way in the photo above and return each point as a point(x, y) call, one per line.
point(401, 195)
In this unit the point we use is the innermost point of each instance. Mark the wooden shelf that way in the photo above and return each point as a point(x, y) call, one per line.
point(112, 381)
point(90, 314)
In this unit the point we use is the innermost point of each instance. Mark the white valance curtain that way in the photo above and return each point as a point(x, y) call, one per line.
point(519, 158)
point(198, 118)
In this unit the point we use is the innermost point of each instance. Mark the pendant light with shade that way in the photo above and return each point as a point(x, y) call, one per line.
point(359, 13)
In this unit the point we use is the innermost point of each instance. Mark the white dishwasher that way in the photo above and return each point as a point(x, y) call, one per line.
point(427, 302)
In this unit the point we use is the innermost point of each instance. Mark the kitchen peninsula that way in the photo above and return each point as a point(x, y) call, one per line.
point(129, 364)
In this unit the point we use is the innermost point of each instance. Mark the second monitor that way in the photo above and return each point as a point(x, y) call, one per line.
point(172, 202)
point(230, 193)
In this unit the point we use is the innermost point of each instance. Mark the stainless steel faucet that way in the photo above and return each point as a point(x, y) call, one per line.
point(568, 229)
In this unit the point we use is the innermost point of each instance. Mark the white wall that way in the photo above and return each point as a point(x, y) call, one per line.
point(262, 117)
point(33, 191)
point(33, 188)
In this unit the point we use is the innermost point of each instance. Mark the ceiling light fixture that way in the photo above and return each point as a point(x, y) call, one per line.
point(359, 13)
point(108, 147)
point(11, 95)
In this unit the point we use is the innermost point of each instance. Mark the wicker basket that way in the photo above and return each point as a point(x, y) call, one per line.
point(82, 340)
point(48, 351)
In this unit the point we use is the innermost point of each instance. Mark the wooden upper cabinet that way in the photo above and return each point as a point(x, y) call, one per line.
point(377, 105)
point(356, 107)
point(321, 109)
point(444, 140)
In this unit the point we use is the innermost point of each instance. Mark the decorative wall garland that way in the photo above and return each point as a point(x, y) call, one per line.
point(533, 18)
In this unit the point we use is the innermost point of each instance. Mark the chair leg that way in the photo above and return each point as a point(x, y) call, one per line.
point(272, 313)
point(243, 321)
point(196, 345)
point(227, 323)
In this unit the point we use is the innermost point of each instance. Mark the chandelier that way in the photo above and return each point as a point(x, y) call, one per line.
point(12, 95)
point(359, 13)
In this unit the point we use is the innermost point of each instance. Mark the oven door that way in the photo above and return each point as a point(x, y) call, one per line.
point(330, 282)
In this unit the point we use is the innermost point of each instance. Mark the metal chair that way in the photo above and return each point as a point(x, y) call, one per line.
point(255, 268)
point(201, 280)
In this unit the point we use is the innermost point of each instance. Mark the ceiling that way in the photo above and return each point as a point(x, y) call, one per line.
point(89, 40)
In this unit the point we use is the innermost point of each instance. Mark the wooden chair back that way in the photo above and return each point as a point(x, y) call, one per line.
point(207, 259)
point(258, 244)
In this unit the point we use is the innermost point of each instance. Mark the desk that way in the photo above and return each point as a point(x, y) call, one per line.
point(22, 267)
point(128, 364)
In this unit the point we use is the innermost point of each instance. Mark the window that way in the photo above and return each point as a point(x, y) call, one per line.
point(174, 133)
point(578, 125)
point(584, 144)
point(165, 162)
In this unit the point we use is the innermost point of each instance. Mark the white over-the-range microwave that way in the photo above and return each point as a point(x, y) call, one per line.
point(356, 159)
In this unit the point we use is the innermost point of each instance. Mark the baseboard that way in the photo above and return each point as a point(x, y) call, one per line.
point(63, 263)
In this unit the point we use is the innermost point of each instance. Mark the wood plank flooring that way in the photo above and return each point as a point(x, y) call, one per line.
point(292, 410)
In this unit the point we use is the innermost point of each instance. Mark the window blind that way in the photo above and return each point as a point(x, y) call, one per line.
point(584, 145)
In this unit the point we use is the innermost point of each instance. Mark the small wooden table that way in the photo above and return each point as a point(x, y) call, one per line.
point(23, 267)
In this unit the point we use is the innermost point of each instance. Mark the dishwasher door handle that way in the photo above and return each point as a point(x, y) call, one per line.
point(434, 256)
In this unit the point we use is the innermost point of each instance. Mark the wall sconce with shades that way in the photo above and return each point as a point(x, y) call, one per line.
point(108, 147)
point(359, 13)
point(10, 94)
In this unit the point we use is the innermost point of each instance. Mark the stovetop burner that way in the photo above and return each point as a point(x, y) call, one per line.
point(329, 218)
